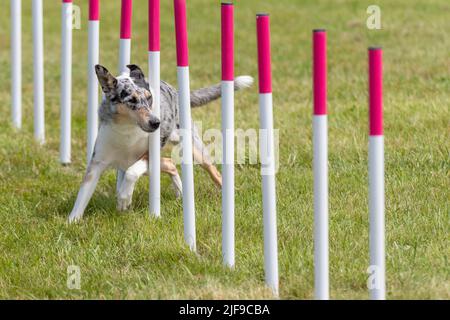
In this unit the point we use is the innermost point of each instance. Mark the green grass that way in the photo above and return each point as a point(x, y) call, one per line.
point(132, 256)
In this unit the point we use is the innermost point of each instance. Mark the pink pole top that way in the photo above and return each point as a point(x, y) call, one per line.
point(94, 10)
point(67, 1)
point(320, 71)
point(125, 20)
point(181, 33)
point(264, 60)
point(227, 42)
point(375, 91)
point(154, 25)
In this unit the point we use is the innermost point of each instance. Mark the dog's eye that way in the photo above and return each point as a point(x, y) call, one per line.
point(133, 100)
point(150, 101)
point(123, 94)
point(114, 99)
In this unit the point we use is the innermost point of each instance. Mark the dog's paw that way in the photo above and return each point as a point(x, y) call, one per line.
point(123, 204)
point(178, 193)
point(73, 218)
point(177, 187)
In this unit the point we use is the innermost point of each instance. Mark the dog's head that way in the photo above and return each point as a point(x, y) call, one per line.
point(130, 96)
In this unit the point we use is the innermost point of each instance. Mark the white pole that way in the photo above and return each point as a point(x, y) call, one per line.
point(268, 192)
point(376, 207)
point(66, 81)
point(228, 173)
point(38, 59)
point(124, 55)
point(154, 139)
point(267, 150)
point(186, 161)
point(377, 285)
point(93, 59)
point(228, 242)
point(320, 166)
point(228, 134)
point(16, 62)
point(185, 123)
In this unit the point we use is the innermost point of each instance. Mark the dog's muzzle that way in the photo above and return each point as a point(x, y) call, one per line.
point(152, 125)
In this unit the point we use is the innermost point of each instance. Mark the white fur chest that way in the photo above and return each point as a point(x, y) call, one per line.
point(122, 145)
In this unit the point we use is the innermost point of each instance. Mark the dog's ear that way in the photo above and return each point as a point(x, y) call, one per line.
point(138, 76)
point(106, 79)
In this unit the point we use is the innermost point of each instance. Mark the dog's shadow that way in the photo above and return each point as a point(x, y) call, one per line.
point(104, 201)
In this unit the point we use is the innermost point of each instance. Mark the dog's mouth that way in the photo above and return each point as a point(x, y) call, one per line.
point(148, 130)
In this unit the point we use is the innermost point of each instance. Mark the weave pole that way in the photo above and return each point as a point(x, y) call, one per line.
point(66, 81)
point(227, 13)
point(320, 165)
point(93, 60)
point(38, 72)
point(185, 122)
point(124, 54)
point(154, 77)
point(125, 35)
point(376, 175)
point(16, 63)
point(267, 150)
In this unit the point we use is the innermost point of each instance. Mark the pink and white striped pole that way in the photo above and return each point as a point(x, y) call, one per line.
point(320, 165)
point(228, 133)
point(124, 54)
point(185, 122)
point(93, 60)
point(376, 176)
point(125, 35)
point(66, 81)
point(154, 77)
point(267, 150)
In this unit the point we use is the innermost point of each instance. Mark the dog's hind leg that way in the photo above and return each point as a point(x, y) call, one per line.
point(133, 173)
point(90, 181)
point(167, 166)
point(201, 156)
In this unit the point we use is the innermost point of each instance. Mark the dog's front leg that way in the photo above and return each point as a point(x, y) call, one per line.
point(119, 179)
point(133, 173)
point(90, 180)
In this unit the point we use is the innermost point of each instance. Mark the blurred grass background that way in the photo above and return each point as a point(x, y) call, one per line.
point(131, 256)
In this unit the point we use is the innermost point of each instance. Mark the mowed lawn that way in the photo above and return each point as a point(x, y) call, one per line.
point(128, 255)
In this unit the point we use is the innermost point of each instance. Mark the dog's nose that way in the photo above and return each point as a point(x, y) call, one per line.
point(154, 124)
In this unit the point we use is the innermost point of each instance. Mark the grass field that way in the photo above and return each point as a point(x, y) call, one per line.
point(129, 255)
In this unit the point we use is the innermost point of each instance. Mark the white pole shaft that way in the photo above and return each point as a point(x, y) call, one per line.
point(154, 138)
point(16, 62)
point(228, 173)
point(66, 82)
point(93, 59)
point(376, 212)
point(186, 162)
point(267, 149)
point(124, 55)
point(38, 62)
point(124, 60)
point(320, 167)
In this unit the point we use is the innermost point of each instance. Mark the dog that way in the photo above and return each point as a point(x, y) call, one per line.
point(126, 119)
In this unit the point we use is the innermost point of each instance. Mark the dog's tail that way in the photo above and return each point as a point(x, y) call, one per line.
point(204, 96)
